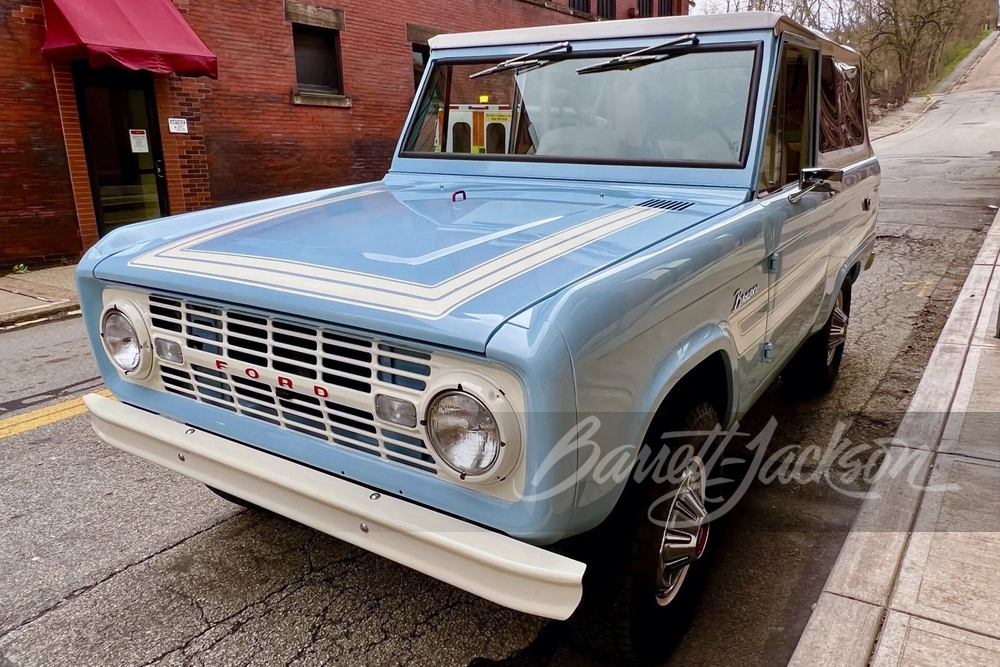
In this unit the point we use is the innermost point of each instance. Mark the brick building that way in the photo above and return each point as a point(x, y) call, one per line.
point(307, 95)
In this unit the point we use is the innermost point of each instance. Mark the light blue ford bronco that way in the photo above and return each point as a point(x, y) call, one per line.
point(591, 236)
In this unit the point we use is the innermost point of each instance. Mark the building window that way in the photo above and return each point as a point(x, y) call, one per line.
point(317, 59)
point(580, 5)
point(666, 7)
point(645, 8)
point(606, 9)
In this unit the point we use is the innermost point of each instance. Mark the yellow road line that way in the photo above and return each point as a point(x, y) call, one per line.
point(44, 416)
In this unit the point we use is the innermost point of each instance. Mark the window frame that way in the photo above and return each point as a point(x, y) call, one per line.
point(749, 127)
point(332, 35)
point(812, 103)
point(425, 51)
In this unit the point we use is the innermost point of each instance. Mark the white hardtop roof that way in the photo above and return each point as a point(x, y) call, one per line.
point(626, 28)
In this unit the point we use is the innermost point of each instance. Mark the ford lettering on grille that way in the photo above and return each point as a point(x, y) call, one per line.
point(307, 379)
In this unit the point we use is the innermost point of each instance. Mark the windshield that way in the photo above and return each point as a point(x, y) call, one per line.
point(689, 109)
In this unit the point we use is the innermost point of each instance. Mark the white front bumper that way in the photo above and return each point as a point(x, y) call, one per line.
point(483, 562)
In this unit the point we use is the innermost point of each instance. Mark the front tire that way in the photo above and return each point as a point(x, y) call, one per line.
point(815, 367)
point(235, 499)
point(641, 593)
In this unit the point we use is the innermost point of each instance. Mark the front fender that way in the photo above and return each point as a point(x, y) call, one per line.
point(606, 465)
point(692, 350)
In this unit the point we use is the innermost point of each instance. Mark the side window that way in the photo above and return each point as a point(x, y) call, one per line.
point(788, 142)
point(841, 109)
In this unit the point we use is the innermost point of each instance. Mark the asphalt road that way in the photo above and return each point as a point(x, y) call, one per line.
point(107, 560)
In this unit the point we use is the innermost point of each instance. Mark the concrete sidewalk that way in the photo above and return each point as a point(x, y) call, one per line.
point(918, 580)
point(37, 295)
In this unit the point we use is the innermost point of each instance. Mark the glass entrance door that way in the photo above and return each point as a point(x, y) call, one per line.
point(122, 143)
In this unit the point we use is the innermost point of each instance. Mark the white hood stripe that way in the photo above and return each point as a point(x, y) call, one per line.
point(373, 291)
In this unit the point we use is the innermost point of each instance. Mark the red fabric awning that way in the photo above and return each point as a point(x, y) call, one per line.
point(134, 34)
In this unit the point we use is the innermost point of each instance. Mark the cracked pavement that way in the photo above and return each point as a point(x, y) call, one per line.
point(108, 560)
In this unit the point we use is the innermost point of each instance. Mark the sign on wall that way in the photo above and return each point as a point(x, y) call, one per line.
point(140, 143)
point(178, 125)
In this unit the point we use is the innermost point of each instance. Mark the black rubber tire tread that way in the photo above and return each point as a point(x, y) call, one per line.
point(235, 500)
point(807, 374)
point(619, 615)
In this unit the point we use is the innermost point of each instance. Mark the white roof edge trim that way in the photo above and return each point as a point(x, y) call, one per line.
point(626, 28)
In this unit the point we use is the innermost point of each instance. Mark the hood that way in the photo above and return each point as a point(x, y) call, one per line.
point(401, 257)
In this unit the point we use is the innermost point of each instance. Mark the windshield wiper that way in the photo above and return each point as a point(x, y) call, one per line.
point(528, 60)
point(646, 56)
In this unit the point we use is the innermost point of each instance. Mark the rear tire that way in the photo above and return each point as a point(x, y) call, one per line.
point(815, 367)
point(630, 610)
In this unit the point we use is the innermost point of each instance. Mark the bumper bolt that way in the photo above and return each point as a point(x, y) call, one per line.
point(364, 527)
point(180, 456)
point(375, 496)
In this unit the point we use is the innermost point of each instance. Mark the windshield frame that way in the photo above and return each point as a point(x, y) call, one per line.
point(755, 46)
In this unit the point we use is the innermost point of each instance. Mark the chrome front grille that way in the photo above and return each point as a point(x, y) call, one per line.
point(307, 379)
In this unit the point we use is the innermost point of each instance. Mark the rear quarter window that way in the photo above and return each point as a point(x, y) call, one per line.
point(843, 137)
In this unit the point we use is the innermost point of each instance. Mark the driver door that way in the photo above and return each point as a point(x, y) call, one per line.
point(798, 231)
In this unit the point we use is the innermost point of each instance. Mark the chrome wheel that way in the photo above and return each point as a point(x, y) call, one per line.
point(838, 329)
point(685, 532)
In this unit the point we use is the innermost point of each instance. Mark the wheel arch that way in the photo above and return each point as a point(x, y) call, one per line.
point(706, 360)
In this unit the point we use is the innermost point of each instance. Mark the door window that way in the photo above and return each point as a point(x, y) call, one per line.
point(788, 143)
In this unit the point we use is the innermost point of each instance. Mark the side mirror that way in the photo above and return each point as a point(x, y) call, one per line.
point(818, 179)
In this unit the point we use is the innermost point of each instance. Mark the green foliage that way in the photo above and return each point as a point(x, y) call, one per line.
point(19, 269)
point(952, 57)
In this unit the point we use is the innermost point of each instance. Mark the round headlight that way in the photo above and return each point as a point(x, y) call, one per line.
point(463, 432)
point(121, 340)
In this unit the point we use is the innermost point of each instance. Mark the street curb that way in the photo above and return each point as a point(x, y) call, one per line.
point(964, 67)
point(927, 107)
point(864, 576)
point(54, 301)
point(20, 319)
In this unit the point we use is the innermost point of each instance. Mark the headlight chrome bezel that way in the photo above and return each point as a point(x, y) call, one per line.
point(489, 396)
point(134, 317)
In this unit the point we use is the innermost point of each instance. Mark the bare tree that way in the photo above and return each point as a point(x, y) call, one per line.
point(904, 43)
